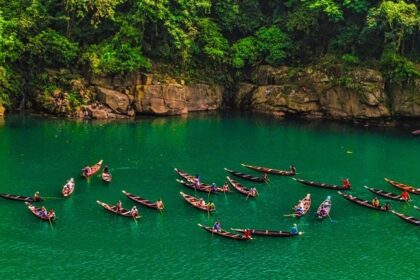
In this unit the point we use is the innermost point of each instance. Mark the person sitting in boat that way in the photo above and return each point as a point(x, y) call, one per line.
point(405, 196)
point(213, 188)
point(51, 214)
point(217, 226)
point(293, 169)
point(43, 212)
point(201, 202)
point(119, 206)
point(159, 204)
point(300, 208)
point(134, 212)
point(322, 212)
point(375, 202)
point(387, 206)
point(248, 234)
point(253, 191)
point(36, 196)
point(86, 170)
point(346, 183)
point(294, 230)
point(197, 180)
point(210, 205)
point(106, 170)
point(226, 187)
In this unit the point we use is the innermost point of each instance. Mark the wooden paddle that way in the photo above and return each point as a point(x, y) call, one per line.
point(289, 215)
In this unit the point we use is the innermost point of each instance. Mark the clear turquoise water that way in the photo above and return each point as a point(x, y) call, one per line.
point(86, 242)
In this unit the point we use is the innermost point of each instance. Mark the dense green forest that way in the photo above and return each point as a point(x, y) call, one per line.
point(202, 38)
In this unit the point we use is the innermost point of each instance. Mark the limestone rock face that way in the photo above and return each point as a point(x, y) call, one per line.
point(117, 101)
point(202, 97)
point(406, 100)
point(312, 92)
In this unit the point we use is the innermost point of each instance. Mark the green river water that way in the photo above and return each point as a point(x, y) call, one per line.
point(87, 242)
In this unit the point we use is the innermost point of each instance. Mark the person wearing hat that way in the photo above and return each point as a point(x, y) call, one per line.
point(36, 196)
point(247, 233)
point(210, 205)
point(375, 202)
point(213, 188)
point(134, 212)
point(159, 204)
point(294, 230)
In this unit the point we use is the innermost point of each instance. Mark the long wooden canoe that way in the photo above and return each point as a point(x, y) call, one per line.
point(140, 200)
point(406, 218)
point(204, 187)
point(321, 185)
point(93, 169)
point(225, 233)
point(271, 233)
point(68, 188)
point(290, 172)
point(362, 202)
point(402, 186)
point(37, 212)
point(19, 197)
point(416, 132)
point(248, 177)
point(306, 201)
point(106, 177)
point(242, 189)
point(324, 208)
point(196, 202)
point(113, 208)
point(386, 194)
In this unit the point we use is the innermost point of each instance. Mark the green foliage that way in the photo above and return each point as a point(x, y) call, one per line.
point(214, 45)
point(272, 44)
point(244, 52)
point(398, 68)
point(51, 49)
point(350, 60)
point(329, 7)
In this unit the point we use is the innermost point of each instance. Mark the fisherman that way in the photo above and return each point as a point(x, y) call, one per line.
point(159, 204)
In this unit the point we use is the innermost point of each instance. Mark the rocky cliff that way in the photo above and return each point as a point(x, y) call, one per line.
point(102, 97)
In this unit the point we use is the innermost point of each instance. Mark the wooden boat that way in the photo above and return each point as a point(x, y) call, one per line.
point(406, 218)
point(93, 169)
point(243, 190)
point(140, 200)
point(362, 202)
point(225, 233)
point(68, 188)
point(204, 187)
point(324, 208)
point(248, 177)
point(37, 212)
point(196, 202)
point(401, 186)
point(416, 207)
point(106, 177)
point(306, 201)
point(290, 172)
point(113, 209)
point(389, 195)
point(320, 185)
point(19, 197)
point(271, 233)
point(416, 132)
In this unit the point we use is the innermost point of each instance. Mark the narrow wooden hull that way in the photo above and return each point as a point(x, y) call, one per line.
point(19, 197)
point(320, 185)
point(224, 233)
point(106, 177)
point(195, 202)
point(269, 233)
point(140, 200)
point(406, 218)
point(270, 170)
point(93, 169)
point(416, 132)
point(324, 209)
point(243, 190)
point(362, 202)
point(70, 190)
point(246, 176)
point(402, 186)
point(113, 208)
point(389, 195)
point(201, 187)
point(36, 211)
point(306, 206)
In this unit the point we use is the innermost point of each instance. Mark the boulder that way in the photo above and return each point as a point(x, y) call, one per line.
point(117, 101)
point(202, 97)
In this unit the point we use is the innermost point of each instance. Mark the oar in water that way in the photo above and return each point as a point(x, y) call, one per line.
point(289, 215)
point(332, 221)
point(52, 197)
point(49, 220)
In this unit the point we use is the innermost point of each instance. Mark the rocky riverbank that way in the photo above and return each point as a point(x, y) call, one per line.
point(311, 92)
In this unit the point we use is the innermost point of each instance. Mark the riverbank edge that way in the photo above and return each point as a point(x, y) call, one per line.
point(341, 93)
